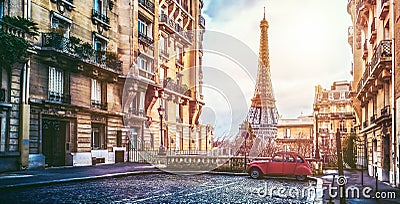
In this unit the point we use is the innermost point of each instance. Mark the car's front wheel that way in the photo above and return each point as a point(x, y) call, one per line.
point(255, 173)
point(301, 177)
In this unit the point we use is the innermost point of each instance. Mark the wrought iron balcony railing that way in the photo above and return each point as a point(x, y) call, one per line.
point(145, 39)
point(135, 111)
point(173, 86)
point(59, 97)
point(103, 18)
point(202, 21)
point(382, 53)
point(147, 4)
point(83, 52)
point(98, 105)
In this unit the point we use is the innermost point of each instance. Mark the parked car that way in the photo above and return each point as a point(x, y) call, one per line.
point(281, 164)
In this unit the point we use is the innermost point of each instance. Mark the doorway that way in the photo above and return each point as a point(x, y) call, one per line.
point(53, 132)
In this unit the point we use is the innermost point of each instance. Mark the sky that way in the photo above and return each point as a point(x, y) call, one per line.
point(307, 42)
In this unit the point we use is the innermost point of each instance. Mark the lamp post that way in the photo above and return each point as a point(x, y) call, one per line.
point(161, 111)
point(317, 156)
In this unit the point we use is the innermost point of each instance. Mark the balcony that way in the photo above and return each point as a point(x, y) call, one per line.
point(98, 17)
point(58, 97)
point(384, 9)
point(84, 52)
point(145, 39)
point(98, 105)
point(173, 86)
point(373, 31)
point(167, 24)
point(382, 55)
point(137, 112)
point(12, 30)
point(149, 5)
point(202, 21)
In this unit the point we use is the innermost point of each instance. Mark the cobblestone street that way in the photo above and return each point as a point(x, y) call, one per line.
point(162, 188)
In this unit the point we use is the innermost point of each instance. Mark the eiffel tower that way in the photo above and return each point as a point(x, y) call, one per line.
point(263, 114)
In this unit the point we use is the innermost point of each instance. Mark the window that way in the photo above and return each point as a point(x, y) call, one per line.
point(162, 45)
point(286, 133)
point(145, 64)
point(99, 44)
point(198, 141)
point(289, 158)
point(99, 7)
point(98, 136)
point(179, 55)
point(144, 28)
point(98, 94)
point(178, 140)
point(133, 137)
point(3, 131)
point(299, 160)
point(61, 25)
point(151, 140)
point(141, 101)
point(1, 8)
point(56, 84)
point(277, 158)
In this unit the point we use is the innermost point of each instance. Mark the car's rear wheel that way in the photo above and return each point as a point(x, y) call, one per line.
point(255, 173)
point(301, 177)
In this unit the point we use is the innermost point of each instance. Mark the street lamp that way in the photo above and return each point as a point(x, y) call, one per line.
point(317, 156)
point(161, 112)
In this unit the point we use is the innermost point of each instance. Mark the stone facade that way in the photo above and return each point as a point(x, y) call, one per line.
point(332, 112)
point(85, 96)
point(296, 135)
point(374, 91)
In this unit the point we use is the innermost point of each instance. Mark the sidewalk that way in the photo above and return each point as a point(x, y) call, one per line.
point(354, 180)
point(69, 174)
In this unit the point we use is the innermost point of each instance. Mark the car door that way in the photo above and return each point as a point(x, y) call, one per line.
point(289, 164)
point(275, 167)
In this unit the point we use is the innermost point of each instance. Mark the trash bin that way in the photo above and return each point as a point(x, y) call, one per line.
point(94, 161)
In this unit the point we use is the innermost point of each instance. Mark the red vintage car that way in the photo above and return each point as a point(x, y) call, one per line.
point(281, 164)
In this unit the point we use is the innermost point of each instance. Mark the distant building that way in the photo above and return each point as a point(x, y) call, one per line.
point(296, 135)
point(333, 111)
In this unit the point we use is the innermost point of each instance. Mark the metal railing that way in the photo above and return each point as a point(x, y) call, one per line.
point(146, 39)
point(372, 119)
point(147, 4)
point(81, 51)
point(59, 97)
point(96, 14)
point(98, 105)
point(365, 124)
point(383, 50)
point(202, 21)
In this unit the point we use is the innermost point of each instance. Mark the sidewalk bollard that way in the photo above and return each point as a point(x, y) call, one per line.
point(376, 178)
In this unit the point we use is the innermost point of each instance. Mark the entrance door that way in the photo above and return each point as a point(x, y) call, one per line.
point(54, 142)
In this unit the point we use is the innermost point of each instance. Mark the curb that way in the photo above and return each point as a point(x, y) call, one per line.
point(87, 178)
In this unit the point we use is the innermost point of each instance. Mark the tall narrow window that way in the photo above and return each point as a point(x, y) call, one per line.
point(56, 84)
point(119, 138)
point(98, 136)
point(133, 138)
point(178, 140)
point(3, 131)
point(98, 95)
point(141, 103)
point(1, 8)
